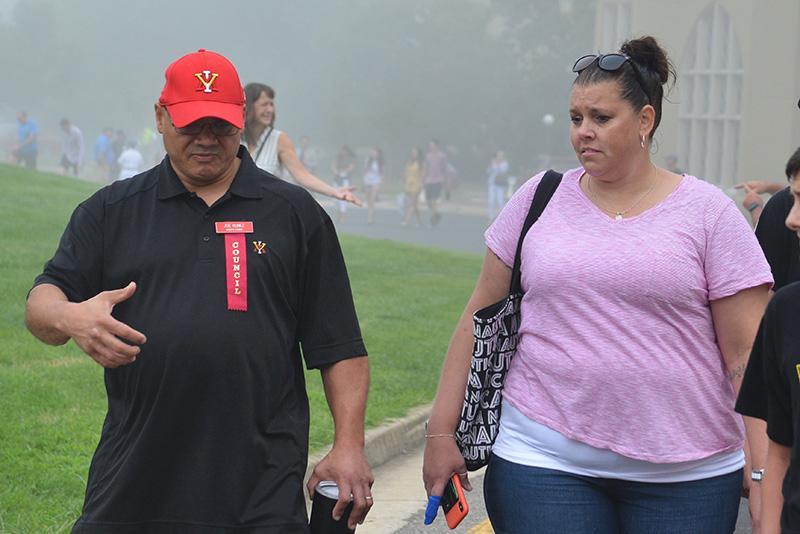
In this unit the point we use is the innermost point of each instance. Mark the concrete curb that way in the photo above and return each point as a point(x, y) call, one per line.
point(389, 440)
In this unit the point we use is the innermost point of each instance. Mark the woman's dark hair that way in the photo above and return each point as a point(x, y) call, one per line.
point(655, 68)
point(252, 91)
point(793, 165)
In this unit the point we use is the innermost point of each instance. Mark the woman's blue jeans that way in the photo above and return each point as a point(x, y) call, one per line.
point(530, 500)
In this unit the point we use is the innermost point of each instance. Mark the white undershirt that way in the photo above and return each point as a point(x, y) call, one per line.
point(524, 441)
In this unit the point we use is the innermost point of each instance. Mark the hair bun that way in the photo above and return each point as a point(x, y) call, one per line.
point(646, 51)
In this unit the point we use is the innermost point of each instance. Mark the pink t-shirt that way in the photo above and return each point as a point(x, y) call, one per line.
point(617, 345)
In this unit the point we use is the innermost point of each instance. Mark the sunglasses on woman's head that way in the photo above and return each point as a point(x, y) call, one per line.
point(610, 63)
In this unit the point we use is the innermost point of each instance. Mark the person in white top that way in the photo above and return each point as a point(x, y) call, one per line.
point(72, 152)
point(497, 181)
point(130, 161)
point(273, 150)
point(373, 176)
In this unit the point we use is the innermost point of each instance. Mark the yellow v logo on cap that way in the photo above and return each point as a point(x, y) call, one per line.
point(797, 367)
point(207, 79)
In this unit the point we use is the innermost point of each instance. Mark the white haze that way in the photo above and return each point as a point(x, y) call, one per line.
point(477, 74)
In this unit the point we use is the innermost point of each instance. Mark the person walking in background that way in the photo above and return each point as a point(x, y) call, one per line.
point(274, 151)
point(413, 186)
point(434, 173)
point(149, 145)
point(342, 168)
point(451, 180)
point(26, 151)
point(117, 146)
point(130, 161)
point(71, 147)
point(643, 290)
point(307, 154)
point(207, 425)
point(497, 183)
point(373, 176)
point(103, 154)
point(753, 190)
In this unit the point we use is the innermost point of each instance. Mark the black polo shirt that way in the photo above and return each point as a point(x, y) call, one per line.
point(208, 429)
point(781, 247)
point(779, 340)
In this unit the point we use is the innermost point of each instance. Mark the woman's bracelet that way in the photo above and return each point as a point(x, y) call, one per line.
point(437, 435)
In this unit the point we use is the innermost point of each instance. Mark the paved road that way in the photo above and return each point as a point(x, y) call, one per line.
point(461, 228)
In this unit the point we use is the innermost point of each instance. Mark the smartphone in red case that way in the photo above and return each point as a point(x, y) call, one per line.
point(454, 503)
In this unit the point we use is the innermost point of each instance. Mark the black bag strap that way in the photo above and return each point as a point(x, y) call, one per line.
point(263, 143)
point(544, 192)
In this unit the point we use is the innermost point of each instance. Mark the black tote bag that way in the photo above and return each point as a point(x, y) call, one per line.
point(495, 332)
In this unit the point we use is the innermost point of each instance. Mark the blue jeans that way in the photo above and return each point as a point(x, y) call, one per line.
point(528, 500)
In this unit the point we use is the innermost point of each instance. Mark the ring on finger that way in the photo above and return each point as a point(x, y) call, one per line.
point(368, 497)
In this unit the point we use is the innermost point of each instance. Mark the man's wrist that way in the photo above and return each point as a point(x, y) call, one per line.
point(61, 315)
point(757, 475)
point(349, 442)
point(753, 206)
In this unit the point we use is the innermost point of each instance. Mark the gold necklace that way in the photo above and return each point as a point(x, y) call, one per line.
point(618, 215)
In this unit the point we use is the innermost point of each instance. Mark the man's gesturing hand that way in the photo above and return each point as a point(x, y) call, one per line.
point(109, 342)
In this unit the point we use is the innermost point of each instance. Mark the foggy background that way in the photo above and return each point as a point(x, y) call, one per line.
point(479, 75)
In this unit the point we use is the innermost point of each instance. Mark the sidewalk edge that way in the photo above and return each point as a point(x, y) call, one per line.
point(388, 440)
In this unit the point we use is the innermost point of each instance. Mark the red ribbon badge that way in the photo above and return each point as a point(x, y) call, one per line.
point(235, 261)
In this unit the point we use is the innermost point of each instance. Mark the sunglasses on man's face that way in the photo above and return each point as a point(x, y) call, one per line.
point(610, 63)
point(218, 127)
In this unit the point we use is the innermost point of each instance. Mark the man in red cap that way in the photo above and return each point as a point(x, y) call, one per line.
point(201, 286)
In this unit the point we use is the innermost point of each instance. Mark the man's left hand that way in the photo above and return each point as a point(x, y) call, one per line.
point(347, 466)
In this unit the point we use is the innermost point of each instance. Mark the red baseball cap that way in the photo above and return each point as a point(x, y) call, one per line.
point(203, 84)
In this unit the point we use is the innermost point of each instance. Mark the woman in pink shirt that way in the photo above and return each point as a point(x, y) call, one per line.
point(643, 293)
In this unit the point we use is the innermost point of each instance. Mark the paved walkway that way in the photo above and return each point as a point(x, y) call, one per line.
point(460, 229)
point(400, 504)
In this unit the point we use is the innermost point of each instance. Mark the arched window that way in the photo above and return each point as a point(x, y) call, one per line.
point(616, 24)
point(711, 99)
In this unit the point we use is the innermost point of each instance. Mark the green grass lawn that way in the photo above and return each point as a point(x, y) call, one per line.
point(52, 399)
